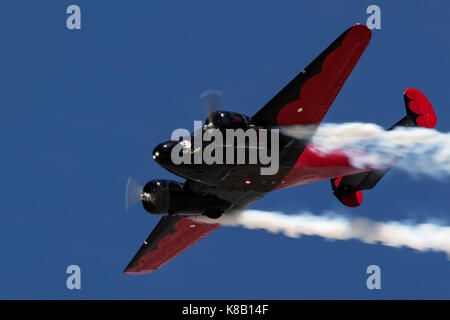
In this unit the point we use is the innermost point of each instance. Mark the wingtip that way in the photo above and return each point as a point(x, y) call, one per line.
point(358, 33)
point(363, 29)
point(135, 272)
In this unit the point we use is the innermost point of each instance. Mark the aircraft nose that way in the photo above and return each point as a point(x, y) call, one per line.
point(162, 152)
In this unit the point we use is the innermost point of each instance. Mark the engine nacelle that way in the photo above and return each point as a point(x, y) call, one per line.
point(170, 197)
point(227, 120)
point(161, 196)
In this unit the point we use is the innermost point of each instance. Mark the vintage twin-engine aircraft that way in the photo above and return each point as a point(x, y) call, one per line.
point(217, 189)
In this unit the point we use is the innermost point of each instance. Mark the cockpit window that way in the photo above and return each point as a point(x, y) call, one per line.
point(229, 120)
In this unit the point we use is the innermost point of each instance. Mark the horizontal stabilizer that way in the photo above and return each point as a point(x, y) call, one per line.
point(419, 113)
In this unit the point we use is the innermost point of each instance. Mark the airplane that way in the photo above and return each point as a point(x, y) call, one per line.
point(218, 189)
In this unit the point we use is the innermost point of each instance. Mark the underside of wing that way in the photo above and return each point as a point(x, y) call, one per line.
point(307, 98)
point(171, 236)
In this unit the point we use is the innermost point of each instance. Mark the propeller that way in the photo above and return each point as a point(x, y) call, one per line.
point(133, 192)
point(211, 100)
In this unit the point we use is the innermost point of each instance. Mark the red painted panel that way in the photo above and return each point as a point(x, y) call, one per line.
point(337, 181)
point(187, 233)
point(312, 157)
point(313, 166)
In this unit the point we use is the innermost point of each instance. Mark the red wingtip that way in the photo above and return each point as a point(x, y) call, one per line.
point(363, 30)
point(136, 272)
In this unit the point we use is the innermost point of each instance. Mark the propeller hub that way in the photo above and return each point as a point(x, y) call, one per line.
point(145, 196)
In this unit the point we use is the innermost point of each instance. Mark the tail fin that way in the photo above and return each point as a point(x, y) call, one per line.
point(419, 113)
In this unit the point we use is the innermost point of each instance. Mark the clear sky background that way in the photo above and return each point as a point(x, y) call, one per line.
point(82, 111)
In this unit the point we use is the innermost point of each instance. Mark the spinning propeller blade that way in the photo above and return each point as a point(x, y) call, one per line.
point(211, 100)
point(132, 192)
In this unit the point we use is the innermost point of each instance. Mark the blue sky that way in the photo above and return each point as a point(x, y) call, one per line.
point(82, 111)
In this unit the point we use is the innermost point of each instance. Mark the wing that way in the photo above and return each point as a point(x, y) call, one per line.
point(171, 236)
point(307, 98)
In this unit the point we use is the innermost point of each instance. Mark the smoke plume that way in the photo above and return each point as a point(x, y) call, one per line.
point(418, 151)
point(421, 236)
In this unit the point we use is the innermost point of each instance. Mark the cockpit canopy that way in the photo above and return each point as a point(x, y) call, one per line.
point(227, 120)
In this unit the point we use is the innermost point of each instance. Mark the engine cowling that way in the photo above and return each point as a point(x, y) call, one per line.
point(161, 196)
point(170, 197)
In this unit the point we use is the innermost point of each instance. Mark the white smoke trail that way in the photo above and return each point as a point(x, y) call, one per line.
point(417, 150)
point(422, 236)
